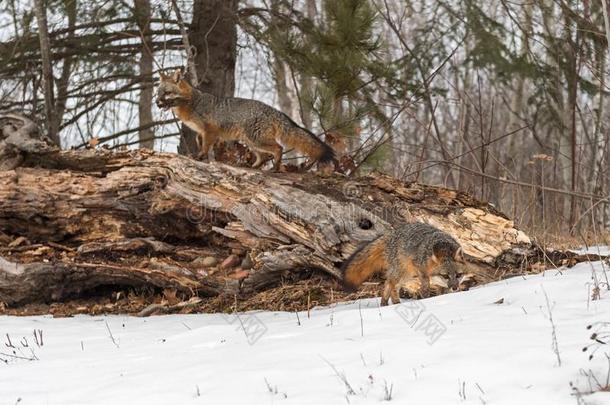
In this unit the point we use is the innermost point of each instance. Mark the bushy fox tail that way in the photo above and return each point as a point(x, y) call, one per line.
point(364, 262)
point(301, 139)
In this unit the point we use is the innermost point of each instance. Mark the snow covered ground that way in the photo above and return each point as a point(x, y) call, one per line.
point(595, 250)
point(458, 348)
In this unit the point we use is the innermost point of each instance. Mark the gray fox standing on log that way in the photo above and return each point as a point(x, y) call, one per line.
point(265, 130)
point(411, 250)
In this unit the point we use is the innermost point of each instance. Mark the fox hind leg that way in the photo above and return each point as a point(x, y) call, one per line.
point(277, 157)
point(395, 295)
point(274, 150)
point(389, 290)
point(260, 159)
point(309, 164)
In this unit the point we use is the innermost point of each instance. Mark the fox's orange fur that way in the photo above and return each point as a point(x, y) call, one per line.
point(366, 262)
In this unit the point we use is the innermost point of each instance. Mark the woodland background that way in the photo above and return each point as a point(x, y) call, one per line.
point(506, 100)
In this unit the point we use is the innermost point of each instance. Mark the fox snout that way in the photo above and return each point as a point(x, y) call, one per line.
point(451, 271)
point(162, 103)
point(173, 91)
point(451, 280)
point(168, 99)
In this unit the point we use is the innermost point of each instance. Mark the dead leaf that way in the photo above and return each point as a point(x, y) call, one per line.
point(18, 242)
point(170, 295)
point(4, 239)
point(231, 261)
point(40, 251)
point(239, 274)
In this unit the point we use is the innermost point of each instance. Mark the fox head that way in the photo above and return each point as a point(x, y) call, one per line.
point(173, 90)
point(450, 265)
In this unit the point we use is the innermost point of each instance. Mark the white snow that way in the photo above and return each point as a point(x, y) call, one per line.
point(593, 250)
point(488, 354)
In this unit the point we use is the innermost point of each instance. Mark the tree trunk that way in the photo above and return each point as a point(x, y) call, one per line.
point(47, 70)
point(572, 77)
point(213, 35)
point(146, 135)
point(306, 82)
point(281, 87)
point(66, 71)
point(72, 221)
point(278, 66)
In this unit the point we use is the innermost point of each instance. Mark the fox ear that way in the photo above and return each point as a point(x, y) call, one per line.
point(177, 76)
point(459, 255)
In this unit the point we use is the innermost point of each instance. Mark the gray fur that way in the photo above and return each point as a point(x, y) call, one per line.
point(259, 126)
point(252, 114)
point(420, 242)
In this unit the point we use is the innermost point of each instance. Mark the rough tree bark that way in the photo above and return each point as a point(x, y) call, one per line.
point(47, 70)
point(72, 221)
point(146, 135)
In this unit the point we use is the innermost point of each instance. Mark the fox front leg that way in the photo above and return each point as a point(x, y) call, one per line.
point(424, 289)
point(205, 143)
point(260, 160)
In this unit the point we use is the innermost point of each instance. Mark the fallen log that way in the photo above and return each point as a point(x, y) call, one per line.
point(141, 218)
